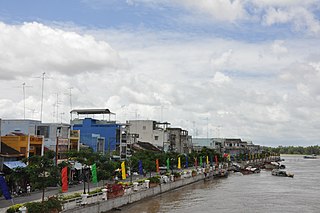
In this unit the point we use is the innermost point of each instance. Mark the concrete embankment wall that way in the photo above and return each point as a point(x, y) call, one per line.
point(103, 206)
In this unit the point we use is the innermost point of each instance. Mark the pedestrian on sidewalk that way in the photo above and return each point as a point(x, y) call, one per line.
point(28, 189)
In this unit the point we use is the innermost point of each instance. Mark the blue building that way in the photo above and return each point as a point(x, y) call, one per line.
point(99, 134)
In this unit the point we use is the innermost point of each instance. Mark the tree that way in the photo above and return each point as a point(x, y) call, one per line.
point(42, 171)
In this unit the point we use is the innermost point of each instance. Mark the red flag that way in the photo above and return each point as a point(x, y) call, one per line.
point(157, 165)
point(216, 159)
point(64, 176)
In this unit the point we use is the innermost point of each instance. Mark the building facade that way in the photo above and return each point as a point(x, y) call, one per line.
point(28, 145)
point(179, 140)
point(148, 131)
point(94, 132)
point(27, 127)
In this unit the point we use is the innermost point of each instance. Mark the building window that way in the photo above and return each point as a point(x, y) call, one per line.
point(156, 137)
point(144, 127)
point(43, 130)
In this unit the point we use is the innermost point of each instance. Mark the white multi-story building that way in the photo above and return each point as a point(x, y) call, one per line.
point(148, 131)
point(27, 127)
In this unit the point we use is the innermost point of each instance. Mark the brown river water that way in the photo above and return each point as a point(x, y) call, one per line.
point(249, 193)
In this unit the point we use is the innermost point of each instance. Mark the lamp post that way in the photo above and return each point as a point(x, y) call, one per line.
point(84, 179)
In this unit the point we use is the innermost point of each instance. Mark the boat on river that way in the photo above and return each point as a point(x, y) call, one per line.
point(310, 156)
point(250, 170)
point(281, 173)
point(274, 165)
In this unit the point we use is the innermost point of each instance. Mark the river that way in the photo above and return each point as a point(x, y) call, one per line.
point(260, 192)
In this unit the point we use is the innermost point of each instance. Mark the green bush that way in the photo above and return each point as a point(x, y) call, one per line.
point(177, 174)
point(14, 208)
point(95, 191)
point(53, 203)
point(141, 180)
point(68, 197)
point(154, 179)
point(36, 207)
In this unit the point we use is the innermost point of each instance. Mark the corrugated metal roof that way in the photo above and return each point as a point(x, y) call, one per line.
point(91, 111)
point(14, 164)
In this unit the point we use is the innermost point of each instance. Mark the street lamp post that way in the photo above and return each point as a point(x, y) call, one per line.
point(84, 180)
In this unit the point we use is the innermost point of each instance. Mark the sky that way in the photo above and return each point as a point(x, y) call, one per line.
point(246, 69)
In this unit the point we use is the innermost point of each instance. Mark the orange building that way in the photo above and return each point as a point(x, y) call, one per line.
point(28, 145)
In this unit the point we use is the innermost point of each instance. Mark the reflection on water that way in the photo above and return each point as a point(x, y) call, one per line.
point(251, 193)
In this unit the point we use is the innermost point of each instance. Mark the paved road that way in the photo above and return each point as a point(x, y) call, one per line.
point(38, 195)
point(35, 196)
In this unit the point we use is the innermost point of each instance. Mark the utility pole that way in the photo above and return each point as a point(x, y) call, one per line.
point(207, 128)
point(42, 89)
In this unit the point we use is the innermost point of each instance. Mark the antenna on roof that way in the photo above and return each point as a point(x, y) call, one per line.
point(42, 89)
point(24, 99)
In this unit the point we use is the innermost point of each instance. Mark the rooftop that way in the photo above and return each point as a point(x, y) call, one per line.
point(91, 111)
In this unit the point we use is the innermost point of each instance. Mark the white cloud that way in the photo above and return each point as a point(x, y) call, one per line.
point(223, 10)
point(219, 62)
point(300, 17)
point(239, 85)
point(283, 3)
point(42, 48)
point(278, 47)
point(220, 79)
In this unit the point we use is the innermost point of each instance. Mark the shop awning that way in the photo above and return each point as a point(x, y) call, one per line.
point(14, 164)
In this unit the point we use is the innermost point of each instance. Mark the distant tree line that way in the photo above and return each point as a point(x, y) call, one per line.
point(296, 150)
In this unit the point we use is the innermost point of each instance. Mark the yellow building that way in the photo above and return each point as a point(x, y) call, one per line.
point(28, 145)
point(74, 140)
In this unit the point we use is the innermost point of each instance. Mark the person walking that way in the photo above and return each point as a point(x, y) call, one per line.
point(28, 189)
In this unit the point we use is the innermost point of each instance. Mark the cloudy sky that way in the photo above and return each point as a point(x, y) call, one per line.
point(248, 69)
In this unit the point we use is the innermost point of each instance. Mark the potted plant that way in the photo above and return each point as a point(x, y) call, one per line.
point(177, 176)
point(194, 173)
point(154, 181)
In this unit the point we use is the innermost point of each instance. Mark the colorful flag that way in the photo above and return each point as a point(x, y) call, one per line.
point(207, 160)
point(196, 162)
point(94, 173)
point(187, 162)
point(157, 166)
point(179, 163)
point(168, 164)
point(201, 161)
point(64, 177)
point(4, 188)
point(123, 170)
point(216, 158)
point(140, 167)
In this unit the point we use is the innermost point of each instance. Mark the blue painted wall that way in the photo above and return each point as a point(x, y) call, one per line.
point(108, 131)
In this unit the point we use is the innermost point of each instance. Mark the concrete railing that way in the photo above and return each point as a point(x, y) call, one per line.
point(106, 205)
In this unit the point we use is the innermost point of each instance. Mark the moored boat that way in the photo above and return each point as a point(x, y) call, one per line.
point(274, 165)
point(310, 156)
point(281, 173)
point(250, 170)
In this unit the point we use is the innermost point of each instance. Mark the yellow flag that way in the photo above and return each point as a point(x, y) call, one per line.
point(207, 160)
point(179, 163)
point(123, 170)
